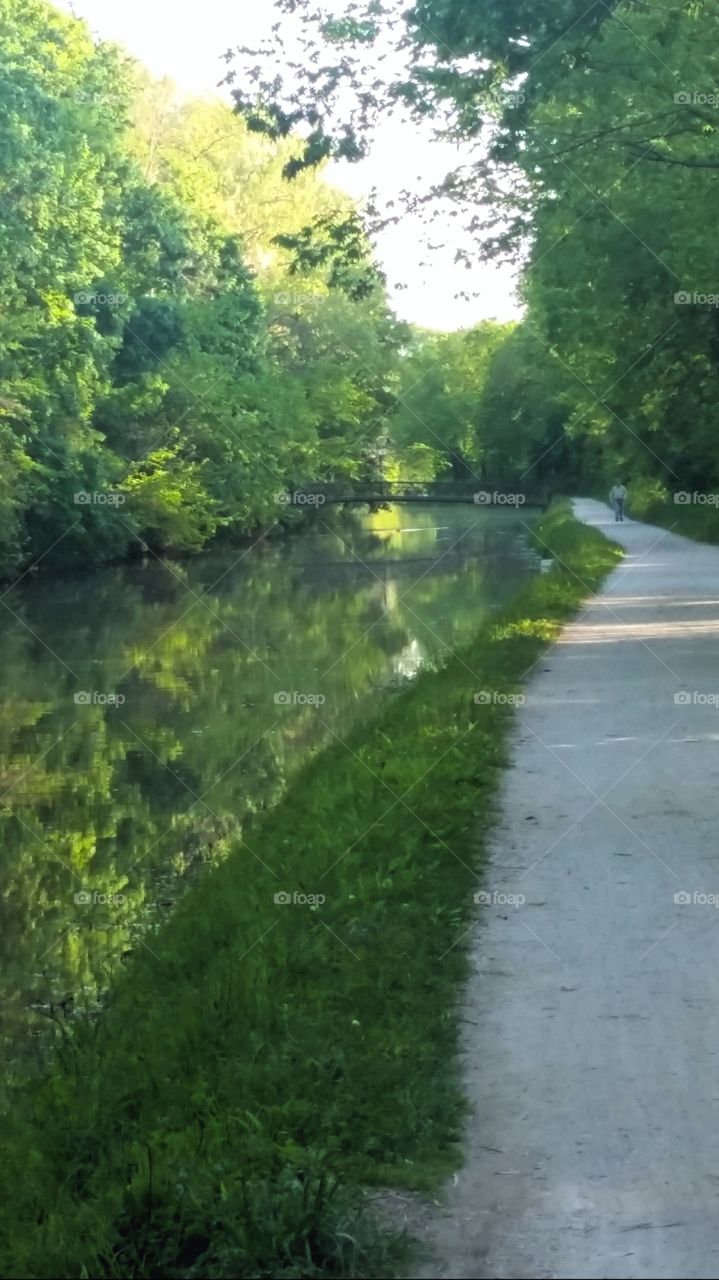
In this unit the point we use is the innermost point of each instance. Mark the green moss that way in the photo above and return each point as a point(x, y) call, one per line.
point(259, 1061)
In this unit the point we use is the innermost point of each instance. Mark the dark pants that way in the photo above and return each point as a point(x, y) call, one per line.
point(619, 508)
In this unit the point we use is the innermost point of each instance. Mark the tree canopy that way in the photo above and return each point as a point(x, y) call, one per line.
point(173, 355)
point(590, 144)
point(193, 316)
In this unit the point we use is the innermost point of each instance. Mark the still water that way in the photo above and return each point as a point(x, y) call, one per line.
point(147, 709)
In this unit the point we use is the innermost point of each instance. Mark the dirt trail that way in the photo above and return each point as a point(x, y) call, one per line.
point(592, 1021)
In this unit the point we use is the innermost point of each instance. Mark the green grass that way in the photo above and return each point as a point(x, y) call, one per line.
point(692, 520)
point(651, 501)
point(258, 1063)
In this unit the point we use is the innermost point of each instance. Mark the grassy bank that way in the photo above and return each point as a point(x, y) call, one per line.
point(682, 511)
point(260, 1060)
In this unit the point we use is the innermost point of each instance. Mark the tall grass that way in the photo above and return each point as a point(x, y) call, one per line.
point(678, 510)
point(683, 511)
point(259, 1061)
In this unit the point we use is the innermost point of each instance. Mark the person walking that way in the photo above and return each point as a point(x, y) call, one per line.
point(618, 499)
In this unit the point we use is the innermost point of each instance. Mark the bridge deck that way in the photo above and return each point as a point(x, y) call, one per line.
point(377, 492)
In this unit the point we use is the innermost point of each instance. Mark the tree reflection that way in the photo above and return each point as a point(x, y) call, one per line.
point(108, 811)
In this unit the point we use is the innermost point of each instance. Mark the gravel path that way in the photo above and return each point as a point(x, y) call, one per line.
point(592, 1020)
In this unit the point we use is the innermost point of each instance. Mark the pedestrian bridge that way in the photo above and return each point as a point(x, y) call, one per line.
point(378, 492)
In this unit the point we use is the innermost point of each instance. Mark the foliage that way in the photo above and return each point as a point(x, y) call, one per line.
point(443, 377)
point(590, 148)
point(155, 390)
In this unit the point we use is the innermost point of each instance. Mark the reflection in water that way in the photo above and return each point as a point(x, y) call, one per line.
point(201, 688)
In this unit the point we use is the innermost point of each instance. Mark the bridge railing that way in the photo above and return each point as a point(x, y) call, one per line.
point(482, 493)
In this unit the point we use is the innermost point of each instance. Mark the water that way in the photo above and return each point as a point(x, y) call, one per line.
point(108, 808)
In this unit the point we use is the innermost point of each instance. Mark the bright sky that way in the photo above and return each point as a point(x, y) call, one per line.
point(185, 41)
